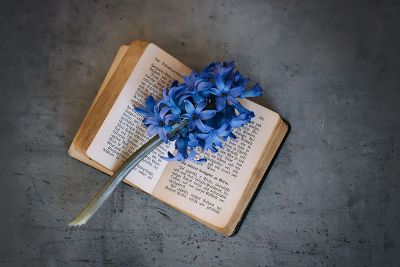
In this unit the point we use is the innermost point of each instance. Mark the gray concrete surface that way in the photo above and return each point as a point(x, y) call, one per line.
point(330, 68)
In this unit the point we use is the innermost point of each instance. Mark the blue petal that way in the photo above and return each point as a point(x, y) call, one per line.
point(192, 125)
point(149, 120)
point(202, 127)
point(215, 91)
point(142, 112)
point(237, 105)
point(182, 145)
point(157, 114)
point(192, 136)
point(204, 93)
point(197, 98)
point(192, 157)
point(190, 80)
point(207, 114)
point(236, 91)
point(209, 142)
point(152, 130)
point(171, 118)
point(204, 85)
point(163, 134)
point(228, 85)
point(225, 69)
point(163, 111)
point(221, 103)
point(205, 72)
point(203, 136)
point(189, 107)
point(184, 131)
point(239, 80)
point(219, 82)
point(201, 106)
point(193, 142)
point(171, 157)
point(222, 128)
point(217, 141)
point(187, 116)
point(175, 110)
point(237, 123)
point(150, 103)
point(224, 133)
point(167, 128)
point(182, 98)
point(253, 92)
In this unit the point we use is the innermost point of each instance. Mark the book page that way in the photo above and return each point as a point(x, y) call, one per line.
point(122, 132)
point(212, 190)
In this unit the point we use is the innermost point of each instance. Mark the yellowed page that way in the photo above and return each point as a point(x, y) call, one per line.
point(122, 131)
point(212, 190)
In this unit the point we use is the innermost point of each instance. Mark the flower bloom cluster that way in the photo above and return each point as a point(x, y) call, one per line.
point(208, 101)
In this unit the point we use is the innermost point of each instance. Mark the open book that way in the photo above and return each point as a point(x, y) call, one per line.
point(215, 193)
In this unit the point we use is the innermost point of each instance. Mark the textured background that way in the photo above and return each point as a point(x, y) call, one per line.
point(330, 68)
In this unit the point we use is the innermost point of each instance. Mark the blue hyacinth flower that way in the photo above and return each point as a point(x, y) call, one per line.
point(215, 137)
point(197, 87)
point(158, 124)
point(171, 98)
point(148, 110)
point(239, 80)
point(224, 92)
point(256, 90)
point(208, 100)
point(241, 120)
point(223, 70)
point(196, 115)
point(183, 153)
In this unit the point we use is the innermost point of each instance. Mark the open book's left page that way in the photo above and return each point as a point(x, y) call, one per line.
point(122, 131)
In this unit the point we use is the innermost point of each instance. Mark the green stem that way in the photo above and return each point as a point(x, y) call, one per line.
point(111, 184)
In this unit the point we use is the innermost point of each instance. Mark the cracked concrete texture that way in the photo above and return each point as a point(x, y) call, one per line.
point(330, 68)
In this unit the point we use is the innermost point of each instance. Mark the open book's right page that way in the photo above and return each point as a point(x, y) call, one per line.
point(212, 190)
